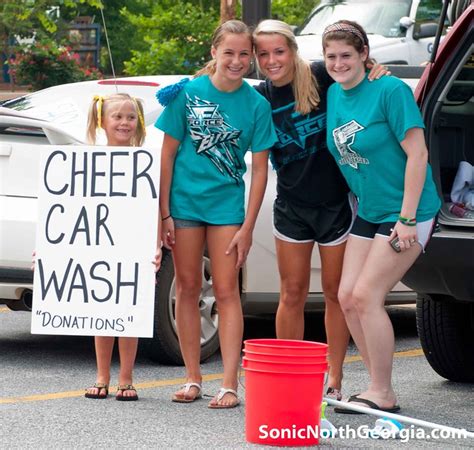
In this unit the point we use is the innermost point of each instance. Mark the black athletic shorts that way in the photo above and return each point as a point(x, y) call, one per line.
point(326, 224)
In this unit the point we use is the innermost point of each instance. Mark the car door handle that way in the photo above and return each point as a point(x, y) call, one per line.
point(5, 149)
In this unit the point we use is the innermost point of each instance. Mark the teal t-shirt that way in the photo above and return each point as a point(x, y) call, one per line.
point(365, 127)
point(215, 130)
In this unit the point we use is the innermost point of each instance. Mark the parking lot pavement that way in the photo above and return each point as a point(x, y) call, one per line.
point(42, 382)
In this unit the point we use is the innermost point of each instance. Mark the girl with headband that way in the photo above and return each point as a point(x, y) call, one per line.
point(375, 134)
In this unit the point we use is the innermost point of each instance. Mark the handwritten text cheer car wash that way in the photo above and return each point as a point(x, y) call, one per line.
point(91, 206)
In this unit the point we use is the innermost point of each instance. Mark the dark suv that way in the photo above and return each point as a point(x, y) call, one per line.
point(443, 277)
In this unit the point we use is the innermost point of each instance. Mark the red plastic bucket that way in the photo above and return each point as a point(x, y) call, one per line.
point(284, 367)
point(283, 401)
point(305, 359)
point(286, 347)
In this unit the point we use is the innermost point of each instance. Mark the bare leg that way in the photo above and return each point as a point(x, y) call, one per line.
point(294, 265)
point(187, 256)
point(355, 255)
point(128, 352)
point(382, 269)
point(226, 289)
point(337, 332)
point(104, 346)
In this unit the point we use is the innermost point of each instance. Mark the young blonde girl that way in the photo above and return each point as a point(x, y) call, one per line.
point(122, 119)
point(209, 125)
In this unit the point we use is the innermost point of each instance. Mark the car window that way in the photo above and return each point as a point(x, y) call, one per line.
point(428, 11)
point(377, 17)
point(462, 88)
point(42, 106)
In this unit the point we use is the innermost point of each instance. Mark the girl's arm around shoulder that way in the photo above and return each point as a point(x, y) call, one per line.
point(264, 134)
point(323, 79)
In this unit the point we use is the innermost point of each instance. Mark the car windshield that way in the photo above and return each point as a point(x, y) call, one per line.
point(43, 105)
point(377, 17)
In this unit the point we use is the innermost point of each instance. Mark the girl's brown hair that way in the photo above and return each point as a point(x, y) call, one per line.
point(304, 84)
point(97, 111)
point(229, 27)
point(351, 33)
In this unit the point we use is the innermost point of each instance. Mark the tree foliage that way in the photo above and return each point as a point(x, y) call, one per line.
point(123, 35)
point(44, 64)
point(177, 36)
point(292, 12)
point(28, 18)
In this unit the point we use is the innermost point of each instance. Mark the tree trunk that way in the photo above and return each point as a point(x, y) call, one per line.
point(227, 10)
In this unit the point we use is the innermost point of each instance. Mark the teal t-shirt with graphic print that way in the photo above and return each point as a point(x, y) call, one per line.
point(365, 127)
point(215, 130)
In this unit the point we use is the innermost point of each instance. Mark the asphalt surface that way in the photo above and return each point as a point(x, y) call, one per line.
point(42, 381)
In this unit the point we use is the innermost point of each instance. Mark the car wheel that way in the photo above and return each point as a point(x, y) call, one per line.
point(164, 346)
point(446, 330)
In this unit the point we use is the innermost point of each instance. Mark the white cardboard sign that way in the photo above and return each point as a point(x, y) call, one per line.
point(96, 240)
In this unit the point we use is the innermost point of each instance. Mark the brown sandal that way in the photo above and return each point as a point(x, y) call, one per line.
point(99, 387)
point(126, 398)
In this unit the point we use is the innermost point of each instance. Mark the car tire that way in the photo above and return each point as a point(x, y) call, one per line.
point(446, 330)
point(164, 346)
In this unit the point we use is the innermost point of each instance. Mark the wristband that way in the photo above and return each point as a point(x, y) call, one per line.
point(166, 218)
point(411, 222)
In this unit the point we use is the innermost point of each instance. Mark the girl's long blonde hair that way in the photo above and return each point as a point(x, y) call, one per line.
point(304, 83)
point(97, 113)
point(229, 27)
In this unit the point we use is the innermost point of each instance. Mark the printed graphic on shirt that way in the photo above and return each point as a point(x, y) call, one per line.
point(213, 137)
point(344, 137)
point(293, 129)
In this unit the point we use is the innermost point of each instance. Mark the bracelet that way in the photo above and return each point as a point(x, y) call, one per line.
point(410, 222)
point(166, 218)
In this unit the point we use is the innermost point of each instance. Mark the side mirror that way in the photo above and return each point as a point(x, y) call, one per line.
point(406, 22)
point(425, 30)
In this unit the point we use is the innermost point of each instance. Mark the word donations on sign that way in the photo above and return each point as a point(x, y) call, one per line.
point(96, 240)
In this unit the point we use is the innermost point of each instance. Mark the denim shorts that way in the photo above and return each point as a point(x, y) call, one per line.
point(184, 223)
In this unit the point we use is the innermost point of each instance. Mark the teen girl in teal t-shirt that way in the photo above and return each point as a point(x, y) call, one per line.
point(208, 127)
point(375, 133)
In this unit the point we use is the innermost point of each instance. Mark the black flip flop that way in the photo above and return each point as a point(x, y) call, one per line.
point(367, 402)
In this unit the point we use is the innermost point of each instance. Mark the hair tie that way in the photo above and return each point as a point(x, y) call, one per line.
point(100, 101)
point(168, 93)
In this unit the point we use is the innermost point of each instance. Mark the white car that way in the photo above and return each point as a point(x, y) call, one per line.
point(58, 115)
point(399, 31)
